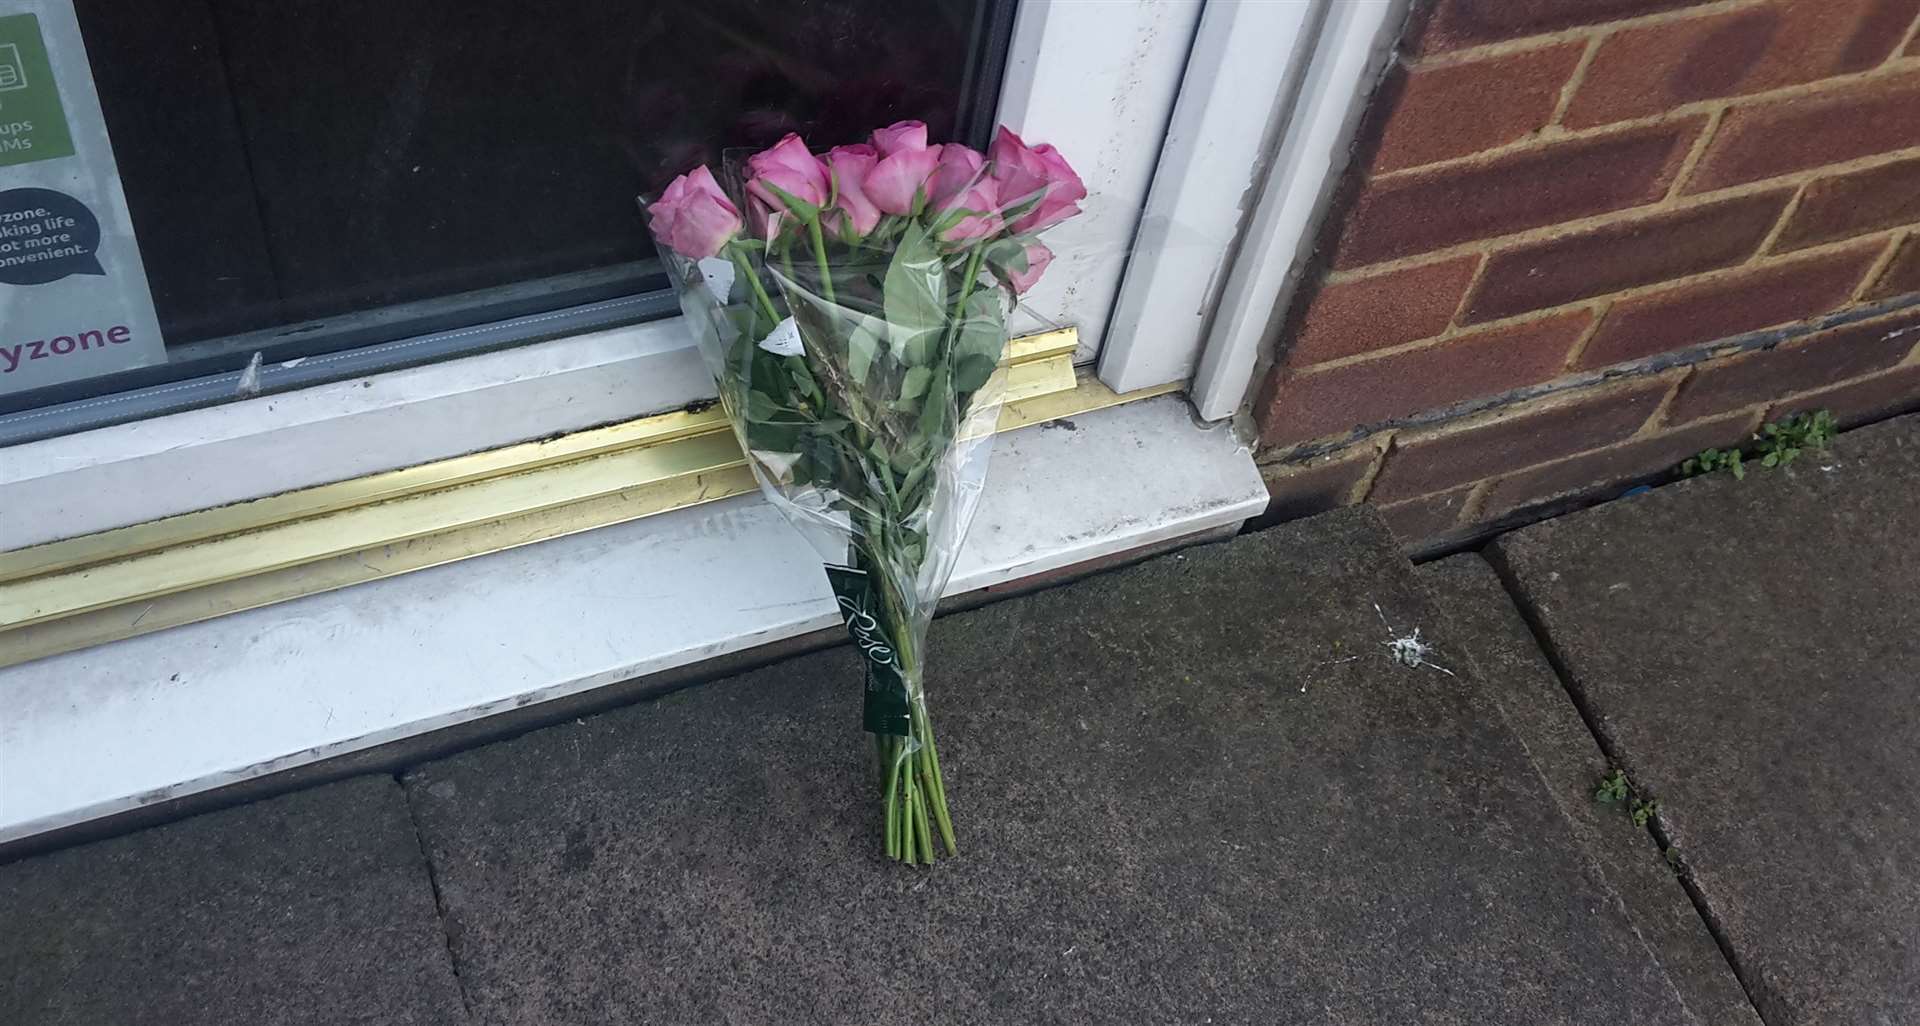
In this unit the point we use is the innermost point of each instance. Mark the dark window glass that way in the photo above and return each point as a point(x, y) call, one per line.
point(310, 175)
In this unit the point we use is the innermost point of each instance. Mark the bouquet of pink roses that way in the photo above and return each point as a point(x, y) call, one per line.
point(854, 317)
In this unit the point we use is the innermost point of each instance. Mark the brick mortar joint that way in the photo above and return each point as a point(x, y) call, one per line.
point(1576, 79)
point(1748, 419)
point(1522, 44)
point(1906, 42)
point(1679, 362)
point(1754, 415)
point(1656, 421)
point(1538, 140)
point(1878, 269)
point(1579, 347)
point(1894, 68)
point(1451, 334)
point(1599, 305)
point(1695, 154)
point(1547, 233)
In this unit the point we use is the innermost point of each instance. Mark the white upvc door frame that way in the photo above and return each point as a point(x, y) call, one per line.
point(1236, 94)
point(1265, 118)
point(1350, 49)
point(1098, 79)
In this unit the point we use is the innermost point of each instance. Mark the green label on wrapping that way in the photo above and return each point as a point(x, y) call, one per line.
point(32, 124)
point(887, 707)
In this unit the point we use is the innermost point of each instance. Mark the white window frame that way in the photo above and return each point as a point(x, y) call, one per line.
point(247, 448)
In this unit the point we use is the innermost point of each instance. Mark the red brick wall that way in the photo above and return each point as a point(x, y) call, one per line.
point(1583, 239)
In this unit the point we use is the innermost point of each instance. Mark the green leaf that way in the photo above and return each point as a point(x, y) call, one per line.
point(914, 385)
point(937, 414)
point(771, 437)
point(972, 372)
point(915, 296)
point(862, 345)
point(919, 350)
point(760, 407)
point(1007, 255)
point(983, 327)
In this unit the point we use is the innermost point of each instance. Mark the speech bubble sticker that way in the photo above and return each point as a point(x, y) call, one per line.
point(45, 236)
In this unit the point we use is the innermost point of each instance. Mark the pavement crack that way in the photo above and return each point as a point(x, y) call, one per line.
point(1748, 976)
point(439, 899)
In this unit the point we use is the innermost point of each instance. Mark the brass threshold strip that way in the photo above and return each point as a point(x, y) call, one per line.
point(85, 591)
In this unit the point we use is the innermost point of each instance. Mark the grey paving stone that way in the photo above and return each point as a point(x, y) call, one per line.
point(1749, 651)
point(1477, 606)
point(1195, 790)
point(314, 907)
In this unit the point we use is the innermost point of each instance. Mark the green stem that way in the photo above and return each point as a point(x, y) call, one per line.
point(966, 293)
point(759, 291)
point(936, 784)
point(893, 776)
point(907, 811)
point(920, 827)
point(820, 257)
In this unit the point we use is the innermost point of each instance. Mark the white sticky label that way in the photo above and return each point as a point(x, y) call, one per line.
point(719, 276)
point(784, 339)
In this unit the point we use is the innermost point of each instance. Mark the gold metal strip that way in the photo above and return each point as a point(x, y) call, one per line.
point(1038, 357)
point(67, 634)
point(483, 505)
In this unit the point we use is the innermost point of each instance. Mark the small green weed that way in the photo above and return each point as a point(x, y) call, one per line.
point(1616, 789)
point(1777, 444)
point(1711, 460)
point(1782, 441)
point(1644, 809)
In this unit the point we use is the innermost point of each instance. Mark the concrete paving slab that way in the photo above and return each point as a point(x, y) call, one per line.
point(1195, 790)
point(1748, 651)
point(314, 907)
point(1517, 674)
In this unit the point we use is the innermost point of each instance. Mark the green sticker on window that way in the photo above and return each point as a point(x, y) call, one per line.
point(887, 709)
point(33, 126)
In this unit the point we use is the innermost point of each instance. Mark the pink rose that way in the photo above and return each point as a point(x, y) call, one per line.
point(1038, 257)
point(849, 167)
point(1025, 172)
point(959, 183)
point(901, 136)
point(897, 180)
point(763, 221)
point(787, 167)
point(693, 217)
point(958, 168)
